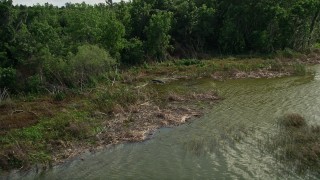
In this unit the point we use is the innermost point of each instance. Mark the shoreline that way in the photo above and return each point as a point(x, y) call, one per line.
point(151, 116)
point(129, 119)
point(170, 117)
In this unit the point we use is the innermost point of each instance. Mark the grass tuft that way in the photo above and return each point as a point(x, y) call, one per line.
point(292, 120)
point(4, 95)
point(297, 144)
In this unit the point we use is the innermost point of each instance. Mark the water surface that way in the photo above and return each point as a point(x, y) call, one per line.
point(226, 143)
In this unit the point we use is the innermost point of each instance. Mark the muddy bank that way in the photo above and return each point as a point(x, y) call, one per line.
point(262, 73)
point(56, 135)
point(312, 58)
point(140, 121)
point(129, 109)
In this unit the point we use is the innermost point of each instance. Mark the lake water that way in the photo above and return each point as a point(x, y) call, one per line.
point(226, 143)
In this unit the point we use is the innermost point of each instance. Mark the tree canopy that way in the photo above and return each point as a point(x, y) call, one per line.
point(41, 43)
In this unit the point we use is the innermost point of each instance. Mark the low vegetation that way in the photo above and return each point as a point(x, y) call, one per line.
point(297, 144)
point(218, 69)
point(115, 106)
point(4, 96)
point(80, 76)
point(50, 128)
point(120, 106)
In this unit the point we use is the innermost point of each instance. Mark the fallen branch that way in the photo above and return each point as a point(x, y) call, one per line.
point(138, 87)
point(16, 111)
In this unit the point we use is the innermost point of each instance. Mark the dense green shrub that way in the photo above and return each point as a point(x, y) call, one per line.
point(158, 38)
point(89, 62)
point(56, 70)
point(33, 84)
point(80, 69)
point(133, 53)
point(53, 42)
point(8, 78)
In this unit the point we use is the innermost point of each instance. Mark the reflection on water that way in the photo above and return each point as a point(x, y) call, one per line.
point(224, 144)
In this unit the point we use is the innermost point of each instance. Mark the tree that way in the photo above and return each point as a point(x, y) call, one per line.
point(112, 35)
point(203, 30)
point(158, 38)
point(6, 32)
point(183, 24)
point(140, 17)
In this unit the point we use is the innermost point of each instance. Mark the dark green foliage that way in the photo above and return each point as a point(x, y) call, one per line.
point(89, 62)
point(33, 84)
point(59, 96)
point(133, 52)
point(40, 44)
point(80, 69)
point(188, 62)
point(158, 37)
point(8, 78)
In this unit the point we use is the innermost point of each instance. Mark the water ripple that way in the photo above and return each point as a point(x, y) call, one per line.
point(224, 144)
